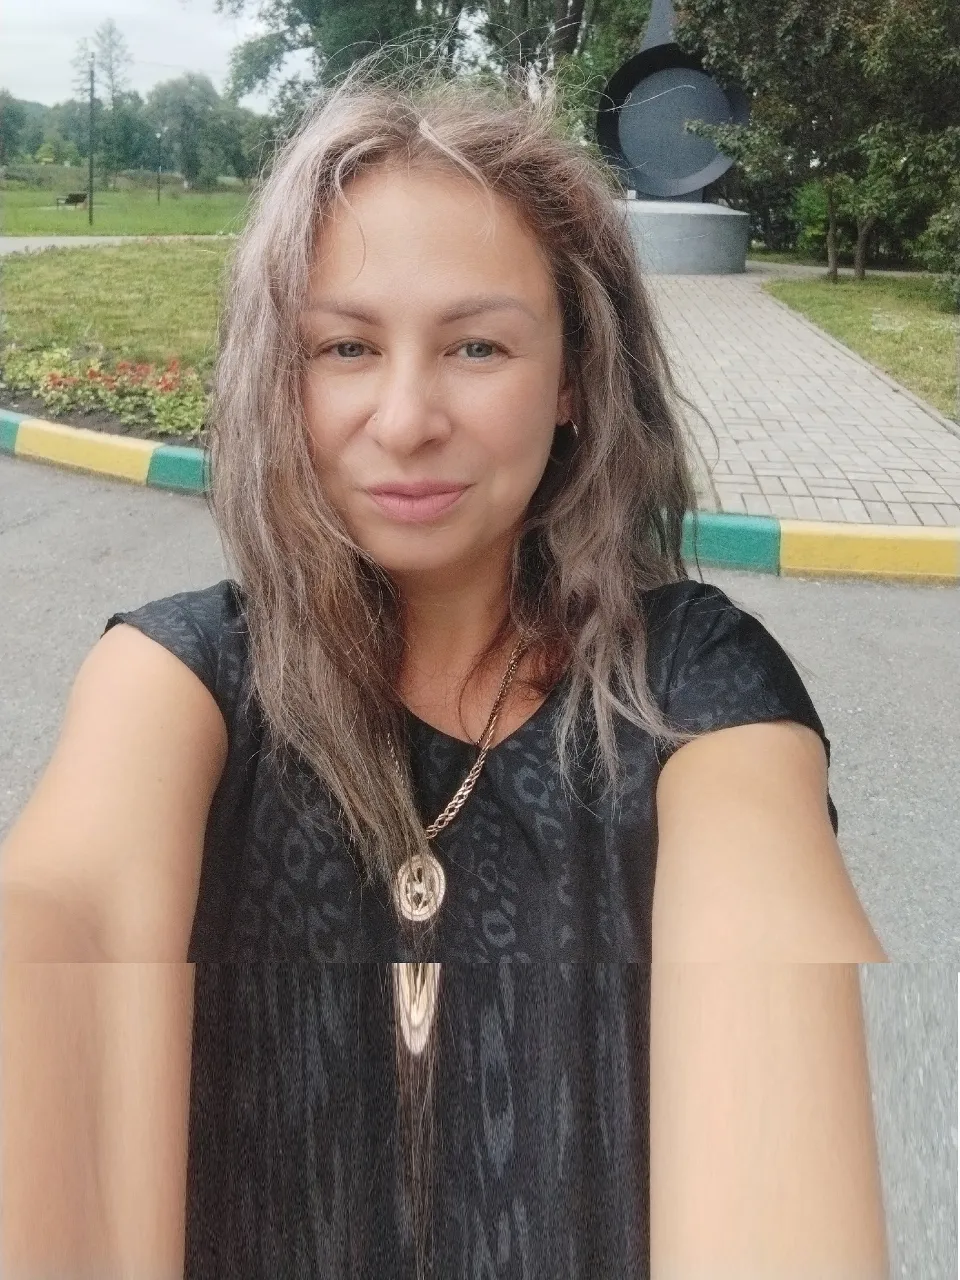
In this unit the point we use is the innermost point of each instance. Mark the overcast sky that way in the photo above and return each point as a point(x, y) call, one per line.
point(38, 39)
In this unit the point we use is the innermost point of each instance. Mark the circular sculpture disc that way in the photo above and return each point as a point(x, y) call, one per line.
point(651, 124)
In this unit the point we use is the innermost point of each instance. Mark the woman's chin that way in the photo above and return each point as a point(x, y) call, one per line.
point(414, 552)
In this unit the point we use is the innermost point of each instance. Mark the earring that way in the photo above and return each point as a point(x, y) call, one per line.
point(576, 429)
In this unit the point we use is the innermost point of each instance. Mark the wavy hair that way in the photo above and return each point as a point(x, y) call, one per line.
point(606, 522)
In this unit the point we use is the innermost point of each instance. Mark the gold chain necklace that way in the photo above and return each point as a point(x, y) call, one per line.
point(421, 884)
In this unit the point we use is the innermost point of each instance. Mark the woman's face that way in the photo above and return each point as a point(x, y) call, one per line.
point(402, 393)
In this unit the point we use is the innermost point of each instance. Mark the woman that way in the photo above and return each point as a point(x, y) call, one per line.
point(459, 706)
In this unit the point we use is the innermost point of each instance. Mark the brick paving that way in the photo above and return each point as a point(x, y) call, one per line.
point(804, 429)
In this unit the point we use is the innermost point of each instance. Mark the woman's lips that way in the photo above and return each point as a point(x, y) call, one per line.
point(412, 510)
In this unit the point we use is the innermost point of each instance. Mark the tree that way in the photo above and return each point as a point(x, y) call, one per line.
point(913, 152)
point(71, 121)
point(13, 117)
point(581, 41)
point(335, 33)
point(833, 96)
point(802, 61)
point(189, 107)
point(111, 58)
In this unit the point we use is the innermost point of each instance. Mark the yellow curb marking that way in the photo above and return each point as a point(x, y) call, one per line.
point(881, 551)
point(87, 450)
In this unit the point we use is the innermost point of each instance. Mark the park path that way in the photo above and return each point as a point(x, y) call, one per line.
point(24, 244)
point(805, 429)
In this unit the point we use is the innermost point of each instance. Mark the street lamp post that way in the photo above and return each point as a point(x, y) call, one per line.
point(159, 136)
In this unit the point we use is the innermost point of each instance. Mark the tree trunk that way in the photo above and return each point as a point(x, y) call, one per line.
point(832, 273)
point(454, 8)
point(864, 227)
point(568, 16)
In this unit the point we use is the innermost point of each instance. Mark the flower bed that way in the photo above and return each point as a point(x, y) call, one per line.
point(165, 400)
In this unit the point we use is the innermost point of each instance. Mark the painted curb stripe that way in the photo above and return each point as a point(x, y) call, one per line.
point(736, 541)
point(761, 544)
point(880, 551)
point(175, 466)
point(119, 456)
point(9, 426)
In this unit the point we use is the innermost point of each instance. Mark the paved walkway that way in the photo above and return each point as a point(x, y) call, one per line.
point(804, 428)
point(22, 244)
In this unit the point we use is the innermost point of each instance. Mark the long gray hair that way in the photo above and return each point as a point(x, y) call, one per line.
point(325, 620)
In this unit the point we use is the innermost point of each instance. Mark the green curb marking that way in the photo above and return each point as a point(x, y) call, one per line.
point(734, 541)
point(176, 466)
point(9, 426)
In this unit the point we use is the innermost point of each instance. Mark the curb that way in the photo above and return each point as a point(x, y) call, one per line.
point(761, 544)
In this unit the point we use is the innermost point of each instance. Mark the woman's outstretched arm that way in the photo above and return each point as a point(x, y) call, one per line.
point(763, 1156)
point(52, 1214)
point(98, 887)
point(763, 1151)
point(94, 1098)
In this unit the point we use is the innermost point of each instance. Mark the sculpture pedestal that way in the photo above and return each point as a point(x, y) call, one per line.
point(679, 237)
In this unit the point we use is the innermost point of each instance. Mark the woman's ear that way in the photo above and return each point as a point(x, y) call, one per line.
point(565, 402)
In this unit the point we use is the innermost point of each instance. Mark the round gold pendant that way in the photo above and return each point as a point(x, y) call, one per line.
point(420, 887)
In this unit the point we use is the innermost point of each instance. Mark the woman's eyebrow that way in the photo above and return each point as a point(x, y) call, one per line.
point(465, 307)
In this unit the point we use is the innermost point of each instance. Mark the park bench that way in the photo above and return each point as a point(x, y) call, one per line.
point(74, 198)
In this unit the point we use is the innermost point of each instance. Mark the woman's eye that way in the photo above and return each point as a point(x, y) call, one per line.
point(479, 342)
point(337, 347)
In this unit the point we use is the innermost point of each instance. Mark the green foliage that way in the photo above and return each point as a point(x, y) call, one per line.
point(810, 214)
point(582, 49)
point(203, 136)
point(170, 400)
point(939, 250)
point(855, 90)
point(13, 118)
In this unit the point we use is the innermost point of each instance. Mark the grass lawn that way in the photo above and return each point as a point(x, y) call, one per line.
point(144, 302)
point(894, 322)
point(33, 212)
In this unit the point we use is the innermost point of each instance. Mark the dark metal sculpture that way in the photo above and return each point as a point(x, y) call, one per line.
point(643, 109)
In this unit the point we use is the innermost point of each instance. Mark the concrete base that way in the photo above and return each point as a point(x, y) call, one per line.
point(679, 237)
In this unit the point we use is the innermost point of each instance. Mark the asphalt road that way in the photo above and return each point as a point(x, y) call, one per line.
point(881, 662)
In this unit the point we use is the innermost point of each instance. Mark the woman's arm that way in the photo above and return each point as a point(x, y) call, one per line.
point(763, 1156)
point(148, 1031)
point(98, 887)
point(53, 1219)
point(94, 1100)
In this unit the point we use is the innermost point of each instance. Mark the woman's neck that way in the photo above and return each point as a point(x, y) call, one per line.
point(449, 622)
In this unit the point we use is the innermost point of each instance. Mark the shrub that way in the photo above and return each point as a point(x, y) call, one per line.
point(171, 399)
point(809, 211)
point(939, 249)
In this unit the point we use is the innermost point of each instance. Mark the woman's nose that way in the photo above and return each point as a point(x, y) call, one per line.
point(403, 428)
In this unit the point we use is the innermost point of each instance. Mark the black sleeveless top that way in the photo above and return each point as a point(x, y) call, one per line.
point(541, 1157)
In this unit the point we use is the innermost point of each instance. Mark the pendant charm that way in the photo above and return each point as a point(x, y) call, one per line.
point(415, 998)
point(420, 887)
